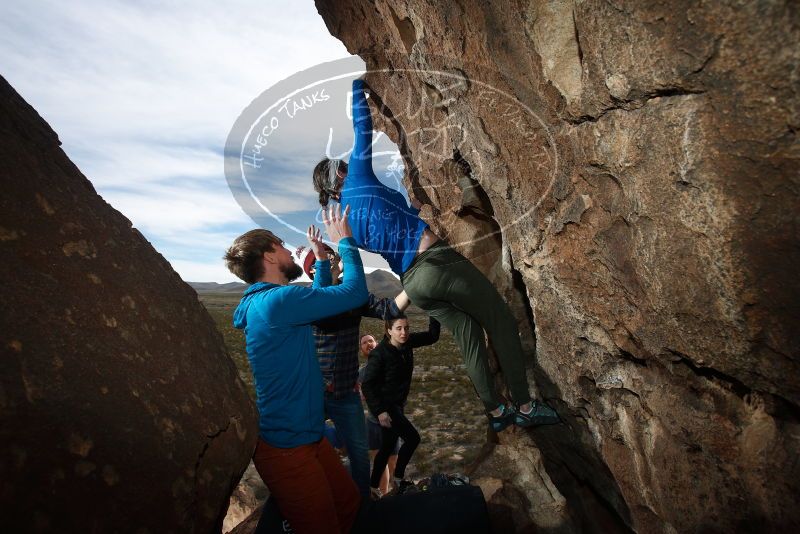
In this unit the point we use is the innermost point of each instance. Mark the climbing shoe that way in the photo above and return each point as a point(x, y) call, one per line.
point(502, 421)
point(540, 414)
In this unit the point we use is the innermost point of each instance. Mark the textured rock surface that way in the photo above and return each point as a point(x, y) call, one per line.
point(120, 410)
point(249, 495)
point(638, 161)
point(520, 496)
point(249, 525)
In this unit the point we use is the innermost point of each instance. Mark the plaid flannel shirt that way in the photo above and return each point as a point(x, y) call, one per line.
point(336, 340)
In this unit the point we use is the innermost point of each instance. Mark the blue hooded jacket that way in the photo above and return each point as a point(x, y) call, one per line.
point(280, 346)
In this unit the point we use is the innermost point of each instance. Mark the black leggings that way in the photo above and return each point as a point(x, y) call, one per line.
point(401, 428)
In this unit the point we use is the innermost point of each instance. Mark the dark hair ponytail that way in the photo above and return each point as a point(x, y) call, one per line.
point(320, 178)
point(326, 179)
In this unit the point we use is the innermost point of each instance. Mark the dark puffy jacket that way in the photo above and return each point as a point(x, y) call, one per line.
point(387, 378)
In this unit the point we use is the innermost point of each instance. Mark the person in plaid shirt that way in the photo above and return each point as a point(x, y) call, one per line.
point(337, 347)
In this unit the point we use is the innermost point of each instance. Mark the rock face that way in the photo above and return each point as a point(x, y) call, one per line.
point(627, 172)
point(120, 410)
point(248, 497)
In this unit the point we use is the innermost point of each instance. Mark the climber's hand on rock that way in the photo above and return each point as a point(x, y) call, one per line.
point(314, 237)
point(367, 88)
point(385, 420)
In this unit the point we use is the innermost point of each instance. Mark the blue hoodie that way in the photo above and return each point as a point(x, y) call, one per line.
point(381, 218)
point(280, 346)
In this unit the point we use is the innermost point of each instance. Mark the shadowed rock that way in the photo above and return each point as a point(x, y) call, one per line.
point(627, 174)
point(120, 410)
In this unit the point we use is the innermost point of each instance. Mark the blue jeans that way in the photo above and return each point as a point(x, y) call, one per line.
point(348, 415)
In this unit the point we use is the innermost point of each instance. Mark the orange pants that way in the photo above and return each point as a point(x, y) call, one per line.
point(312, 488)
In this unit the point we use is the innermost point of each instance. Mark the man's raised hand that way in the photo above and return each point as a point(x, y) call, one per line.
point(313, 234)
point(336, 223)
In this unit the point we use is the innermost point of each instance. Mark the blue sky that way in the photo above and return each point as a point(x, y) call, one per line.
point(144, 94)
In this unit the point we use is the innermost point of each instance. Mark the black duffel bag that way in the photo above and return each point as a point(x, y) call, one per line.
point(440, 510)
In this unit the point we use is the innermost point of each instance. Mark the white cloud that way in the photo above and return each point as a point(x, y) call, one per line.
point(194, 271)
point(110, 164)
point(177, 70)
point(143, 95)
point(166, 211)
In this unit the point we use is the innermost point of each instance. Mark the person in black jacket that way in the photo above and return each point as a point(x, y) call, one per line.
point(387, 381)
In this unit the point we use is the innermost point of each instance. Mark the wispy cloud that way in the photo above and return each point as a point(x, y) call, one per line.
point(143, 95)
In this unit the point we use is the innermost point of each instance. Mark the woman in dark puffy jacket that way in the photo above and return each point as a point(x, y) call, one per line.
point(387, 381)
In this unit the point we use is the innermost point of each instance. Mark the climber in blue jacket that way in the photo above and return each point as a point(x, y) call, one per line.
point(436, 278)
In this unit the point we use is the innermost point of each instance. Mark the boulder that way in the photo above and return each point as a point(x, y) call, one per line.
point(249, 495)
point(627, 174)
point(120, 409)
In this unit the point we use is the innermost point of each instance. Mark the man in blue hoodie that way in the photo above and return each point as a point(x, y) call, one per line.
point(301, 469)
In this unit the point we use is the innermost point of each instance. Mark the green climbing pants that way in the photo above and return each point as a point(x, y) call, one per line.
point(453, 291)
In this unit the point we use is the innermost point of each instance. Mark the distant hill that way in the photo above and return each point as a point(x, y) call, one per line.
point(380, 283)
point(383, 284)
point(213, 287)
